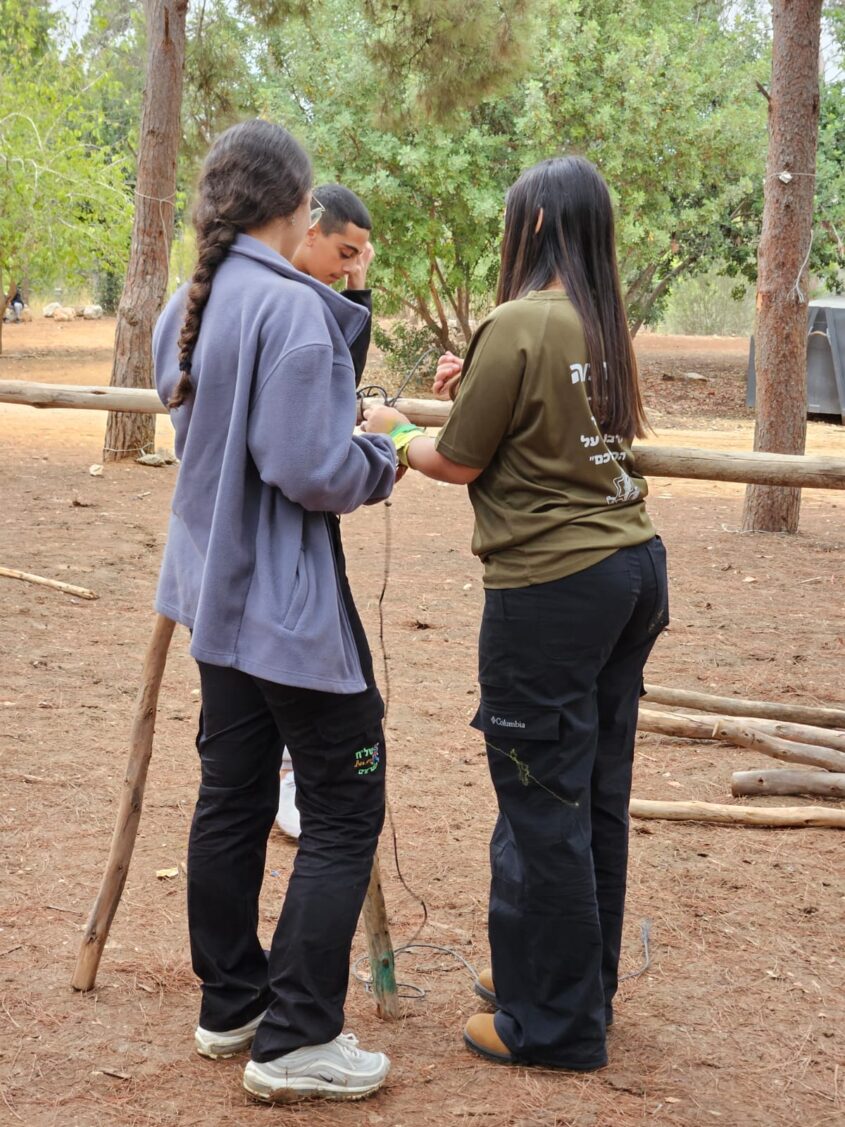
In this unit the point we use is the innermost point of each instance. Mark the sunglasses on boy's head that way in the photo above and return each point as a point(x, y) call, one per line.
point(317, 212)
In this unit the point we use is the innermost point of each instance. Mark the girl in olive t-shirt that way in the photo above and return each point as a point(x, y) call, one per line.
point(546, 405)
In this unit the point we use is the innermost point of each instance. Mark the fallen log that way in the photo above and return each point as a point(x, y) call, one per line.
point(696, 728)
point(733, 706)
point(39, 580)
point(753, 467)
point(745, 736)
point(786, 781)
point(741, 733)
point(774, 816)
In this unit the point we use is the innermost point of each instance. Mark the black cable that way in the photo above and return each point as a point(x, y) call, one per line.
point(410, 375)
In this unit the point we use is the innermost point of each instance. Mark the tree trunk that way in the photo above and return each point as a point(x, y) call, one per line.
point(127, 436)
point(781, 330)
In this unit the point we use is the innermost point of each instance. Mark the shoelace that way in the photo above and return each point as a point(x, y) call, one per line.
point(348, 1045)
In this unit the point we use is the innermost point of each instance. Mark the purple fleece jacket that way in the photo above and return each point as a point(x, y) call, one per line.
point(267, 452)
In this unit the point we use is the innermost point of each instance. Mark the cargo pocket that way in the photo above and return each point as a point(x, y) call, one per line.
point(513, 720)
point(524, 745)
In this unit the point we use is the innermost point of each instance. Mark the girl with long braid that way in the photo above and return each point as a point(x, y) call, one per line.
point(253, 359)
point(546, 406)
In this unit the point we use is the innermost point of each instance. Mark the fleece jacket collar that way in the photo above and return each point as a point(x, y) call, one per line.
point(351, 318)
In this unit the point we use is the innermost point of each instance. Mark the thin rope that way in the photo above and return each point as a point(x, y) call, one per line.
point(161, 200)
point(128, 449)
point(797, 287)
point(788, 172)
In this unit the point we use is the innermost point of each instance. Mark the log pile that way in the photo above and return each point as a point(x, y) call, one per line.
point(809, 736)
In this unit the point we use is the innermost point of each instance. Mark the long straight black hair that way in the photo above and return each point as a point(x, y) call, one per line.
point(576, 246)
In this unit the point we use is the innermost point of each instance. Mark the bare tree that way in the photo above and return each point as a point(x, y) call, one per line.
point(128, 435)
point(781, 330)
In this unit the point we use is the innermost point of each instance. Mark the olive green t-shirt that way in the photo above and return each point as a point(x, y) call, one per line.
point(556, 495)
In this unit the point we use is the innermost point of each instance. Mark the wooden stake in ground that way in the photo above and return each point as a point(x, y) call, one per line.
point(129, 809)
point(380, 947)
point(56, 584)
point(733, 706)
point(783, 816)
point(784, 254)
point(126, 830)
point(784, 781)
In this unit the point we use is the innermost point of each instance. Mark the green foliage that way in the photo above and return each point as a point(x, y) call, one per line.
point(404, 346)
point(25, 27)
point(108, 289)
point(827, 258)
point(436, 57)
point(220, 85)
point(707, 304)
point(658, 93)
point(64, 208)
point(429, 111)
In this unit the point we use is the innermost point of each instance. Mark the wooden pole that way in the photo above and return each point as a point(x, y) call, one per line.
point(56, 584)
point(129, 809)
point(783, 816)
point(380, 947)
point(81, 397)
point(701, 728)
point(669, 461)
point(732, 706)
point(783, 781)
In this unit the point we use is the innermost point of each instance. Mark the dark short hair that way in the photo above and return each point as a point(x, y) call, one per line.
point(342, 207)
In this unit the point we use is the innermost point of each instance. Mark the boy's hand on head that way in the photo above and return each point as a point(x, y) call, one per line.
point(356, 279)
point(382, 420)
point(449, 368)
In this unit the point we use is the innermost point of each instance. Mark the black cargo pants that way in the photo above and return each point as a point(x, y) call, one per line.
point(336, 742)
point(560, 667)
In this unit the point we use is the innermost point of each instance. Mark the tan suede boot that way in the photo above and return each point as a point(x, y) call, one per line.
point(481, 1037)
point(483, 987)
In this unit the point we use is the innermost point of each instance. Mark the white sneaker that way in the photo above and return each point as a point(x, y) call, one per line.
point(338, 1070)
point(288, 817)
point(219, 1046)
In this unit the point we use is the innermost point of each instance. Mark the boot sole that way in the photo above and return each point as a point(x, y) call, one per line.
point(486, 995)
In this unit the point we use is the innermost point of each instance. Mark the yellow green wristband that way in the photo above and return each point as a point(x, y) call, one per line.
point(402, 437)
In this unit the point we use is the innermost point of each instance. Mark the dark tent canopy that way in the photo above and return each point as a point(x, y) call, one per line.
point(825, 358)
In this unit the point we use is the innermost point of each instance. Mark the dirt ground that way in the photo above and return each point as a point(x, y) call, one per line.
point(739, 1020)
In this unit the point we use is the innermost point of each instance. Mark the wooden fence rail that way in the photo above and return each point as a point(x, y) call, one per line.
point(797, 470)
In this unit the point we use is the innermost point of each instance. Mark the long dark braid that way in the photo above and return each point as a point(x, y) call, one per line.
point(254, 173)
